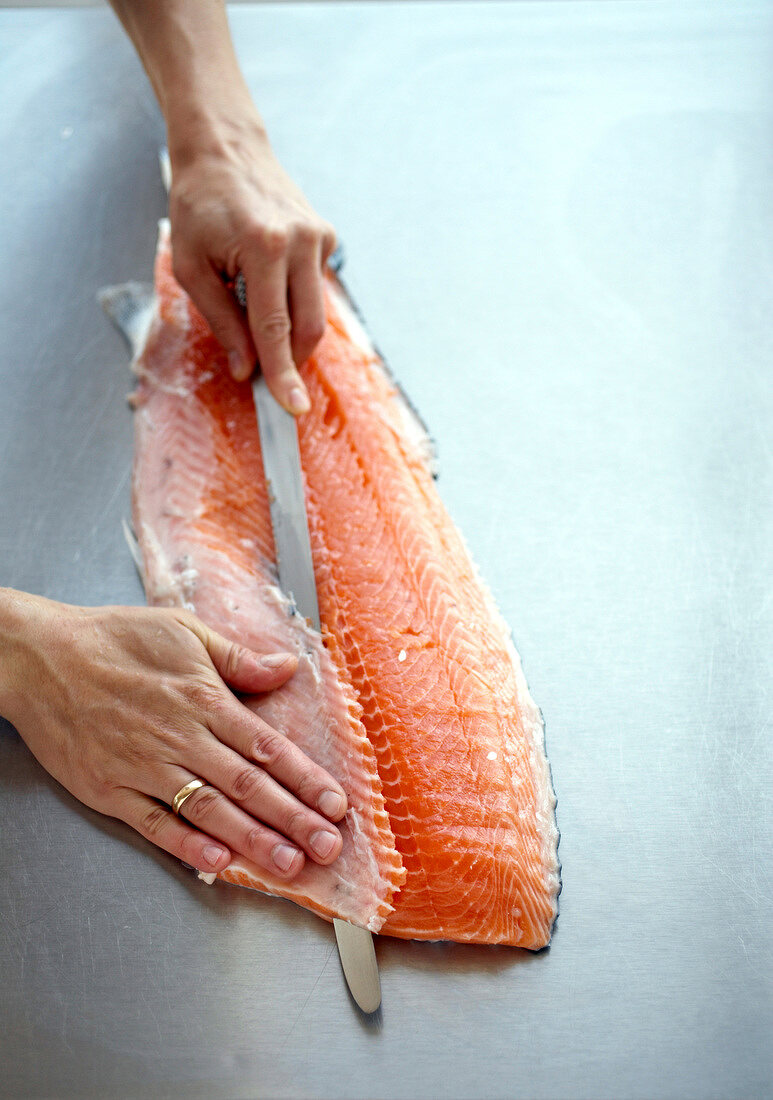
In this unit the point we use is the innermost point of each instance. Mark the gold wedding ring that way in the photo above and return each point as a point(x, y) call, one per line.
point(185, 792)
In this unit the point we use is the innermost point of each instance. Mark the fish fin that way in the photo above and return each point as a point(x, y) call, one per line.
point(130, 307)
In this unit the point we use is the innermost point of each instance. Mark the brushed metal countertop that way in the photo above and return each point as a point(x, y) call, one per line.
point(559, 225)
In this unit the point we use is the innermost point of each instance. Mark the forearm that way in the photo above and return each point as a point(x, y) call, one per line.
point(186, 48)
point(233, 209)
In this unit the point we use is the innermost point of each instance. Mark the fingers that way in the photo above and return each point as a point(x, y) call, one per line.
point(286, 306)
point(307, 301)
point(208, 807)
point(212, 812)
point(239, 212)
point(271, 779)
point(285, 789)
point(255, 741)
point(243, 669)
point(253, 788)
point(222, 312)
point(269, 319)
point(161, 827)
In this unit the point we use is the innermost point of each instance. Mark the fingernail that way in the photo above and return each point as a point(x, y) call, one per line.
point(322, 843)
point(298, 400)
point(237, 366)
point(212, 854)
point(331, 804)
point(275, 660)
point(283, 856)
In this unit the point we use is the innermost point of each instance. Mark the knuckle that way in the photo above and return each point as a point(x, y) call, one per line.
point(249, 782)
point(274, 326)
point(153, 822)
point(205, 696)
point(233, 661)
point(329, 240)
point(273, 242)
point(307, 788)
point(256, 838)
point(205, 802)
point(268, 748)
point(297, 823)
point(307, 234)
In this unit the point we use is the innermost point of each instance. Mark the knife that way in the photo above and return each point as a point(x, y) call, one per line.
point(282, 463)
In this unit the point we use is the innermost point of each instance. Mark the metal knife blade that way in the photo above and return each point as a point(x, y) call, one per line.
point(282, 464)
point(358, 962)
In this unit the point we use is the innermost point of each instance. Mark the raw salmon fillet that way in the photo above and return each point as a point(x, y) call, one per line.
point(417, 686)
point(201, 515)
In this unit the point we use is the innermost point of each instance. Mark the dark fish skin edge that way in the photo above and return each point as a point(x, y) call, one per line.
point(336, 263)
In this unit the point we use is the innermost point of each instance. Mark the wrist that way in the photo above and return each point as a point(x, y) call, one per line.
point(213, 131)
point(186, 48)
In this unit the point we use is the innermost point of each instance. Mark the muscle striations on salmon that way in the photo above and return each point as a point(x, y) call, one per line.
point(202, 518)
point(415, 700)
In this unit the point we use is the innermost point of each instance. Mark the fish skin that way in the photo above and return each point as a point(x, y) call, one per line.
point(425, 662)
point(201, 515)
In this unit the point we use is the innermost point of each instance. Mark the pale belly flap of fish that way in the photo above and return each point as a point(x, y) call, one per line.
point(414, 697)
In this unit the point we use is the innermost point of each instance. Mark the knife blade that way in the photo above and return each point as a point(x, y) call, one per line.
point(282, 464)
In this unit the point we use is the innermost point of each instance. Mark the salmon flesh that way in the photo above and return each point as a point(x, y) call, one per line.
point(413, 695)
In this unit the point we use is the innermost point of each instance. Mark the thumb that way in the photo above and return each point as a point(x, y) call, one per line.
point(242, 668)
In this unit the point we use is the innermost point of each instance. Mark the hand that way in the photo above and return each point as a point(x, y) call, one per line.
point(124, 706)
point(233, 208)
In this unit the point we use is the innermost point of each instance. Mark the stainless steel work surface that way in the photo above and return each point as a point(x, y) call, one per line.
point(559, 225)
